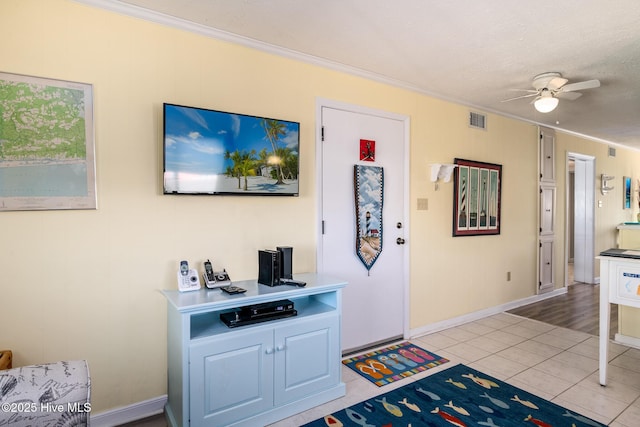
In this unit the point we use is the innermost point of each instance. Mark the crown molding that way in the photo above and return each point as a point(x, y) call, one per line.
point(203, 30)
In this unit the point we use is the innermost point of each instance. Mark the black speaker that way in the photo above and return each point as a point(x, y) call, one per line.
point(269, 267)
point(286, 262)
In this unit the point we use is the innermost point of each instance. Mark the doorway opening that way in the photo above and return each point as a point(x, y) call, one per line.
point(579, 222)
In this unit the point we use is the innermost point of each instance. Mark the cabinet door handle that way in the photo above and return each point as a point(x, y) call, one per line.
point(269, 350)
point(281, 347)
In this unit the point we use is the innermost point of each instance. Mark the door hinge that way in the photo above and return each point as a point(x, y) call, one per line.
point(323, 226)
point(322, 134)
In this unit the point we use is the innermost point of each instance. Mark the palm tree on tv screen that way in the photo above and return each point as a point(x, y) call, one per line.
point(288, 162)
point(244, 165)
point(274, 129)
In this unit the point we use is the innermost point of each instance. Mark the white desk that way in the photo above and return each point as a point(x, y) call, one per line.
point(619, 284)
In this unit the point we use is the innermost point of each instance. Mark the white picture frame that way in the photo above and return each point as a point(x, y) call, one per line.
point(47, 152)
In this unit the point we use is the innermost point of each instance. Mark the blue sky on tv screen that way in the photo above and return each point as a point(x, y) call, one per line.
point(196, 140)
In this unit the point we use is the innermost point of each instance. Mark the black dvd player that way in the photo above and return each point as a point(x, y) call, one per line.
point(258, 313)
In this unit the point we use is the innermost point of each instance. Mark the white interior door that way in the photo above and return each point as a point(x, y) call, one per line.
point(583, 225)
point(374, 300)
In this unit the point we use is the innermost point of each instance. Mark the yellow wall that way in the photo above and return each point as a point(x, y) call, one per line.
point(84, 284)
point(625, 163)
point(455, 276)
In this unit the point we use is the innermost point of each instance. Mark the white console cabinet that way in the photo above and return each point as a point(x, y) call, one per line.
point(255, 374)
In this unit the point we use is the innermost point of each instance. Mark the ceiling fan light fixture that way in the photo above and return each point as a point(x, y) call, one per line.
point(545, 103)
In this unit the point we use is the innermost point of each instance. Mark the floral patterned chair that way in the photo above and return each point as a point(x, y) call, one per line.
point(46, 395)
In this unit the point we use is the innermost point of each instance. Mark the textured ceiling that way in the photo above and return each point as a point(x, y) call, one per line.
point(469, 52)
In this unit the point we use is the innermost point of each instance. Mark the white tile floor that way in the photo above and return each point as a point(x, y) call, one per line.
point(552, 362)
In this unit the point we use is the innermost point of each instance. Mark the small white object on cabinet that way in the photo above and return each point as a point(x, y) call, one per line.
point(188, 279)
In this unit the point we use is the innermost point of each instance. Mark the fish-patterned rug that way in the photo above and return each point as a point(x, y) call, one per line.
point(460, 397)
point(393, 363)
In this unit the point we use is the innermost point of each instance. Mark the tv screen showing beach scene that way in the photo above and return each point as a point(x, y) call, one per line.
point(217, 152)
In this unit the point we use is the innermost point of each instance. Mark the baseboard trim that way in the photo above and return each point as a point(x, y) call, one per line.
point(627, 340)
point(129, 413)
point(470, 317)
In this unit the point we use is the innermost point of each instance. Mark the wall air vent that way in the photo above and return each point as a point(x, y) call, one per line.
point(612, 152)
point(477, 120)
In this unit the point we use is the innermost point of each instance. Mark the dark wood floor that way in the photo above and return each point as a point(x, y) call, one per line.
point(578, 309)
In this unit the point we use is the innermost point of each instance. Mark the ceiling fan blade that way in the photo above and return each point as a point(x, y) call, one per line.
point(571, 96)
point(556, 83)
point(589, 84)
point(524, 90)
point(520, 97)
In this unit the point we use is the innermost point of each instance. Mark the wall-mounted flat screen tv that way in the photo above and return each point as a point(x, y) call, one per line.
point(216, 152)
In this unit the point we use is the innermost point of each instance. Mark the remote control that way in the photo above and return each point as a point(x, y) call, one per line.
point(233, 289)
point(299, 283)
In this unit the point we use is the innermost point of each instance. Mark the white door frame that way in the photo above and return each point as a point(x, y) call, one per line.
point(585, 218)
point(323, 102)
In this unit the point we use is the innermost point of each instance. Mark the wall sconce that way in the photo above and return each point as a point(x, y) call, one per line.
point(604, 183)
point(442, 172)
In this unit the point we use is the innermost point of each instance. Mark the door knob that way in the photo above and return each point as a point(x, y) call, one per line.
point(400, 241)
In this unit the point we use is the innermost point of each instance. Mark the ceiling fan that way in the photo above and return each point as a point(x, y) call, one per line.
point(549, 87)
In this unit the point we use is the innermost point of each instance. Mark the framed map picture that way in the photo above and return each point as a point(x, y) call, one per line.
point(477, 193)
point(47, 155)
